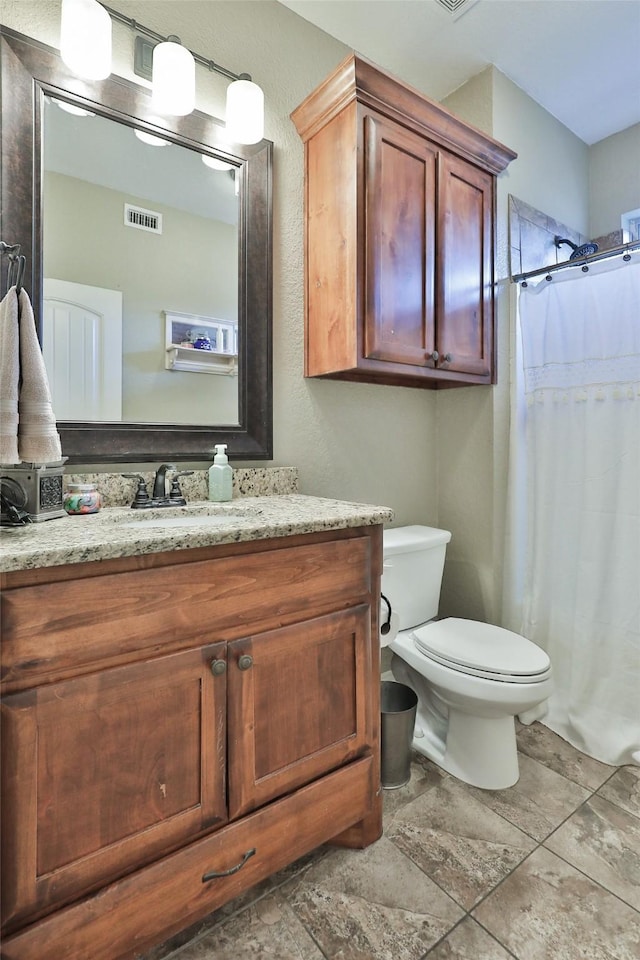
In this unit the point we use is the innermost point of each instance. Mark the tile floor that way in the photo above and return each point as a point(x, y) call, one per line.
point(547, 870)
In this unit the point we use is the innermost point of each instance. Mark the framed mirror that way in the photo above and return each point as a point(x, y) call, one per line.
point(194, 301)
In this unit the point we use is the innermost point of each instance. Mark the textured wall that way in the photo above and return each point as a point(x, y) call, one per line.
point(614, 180)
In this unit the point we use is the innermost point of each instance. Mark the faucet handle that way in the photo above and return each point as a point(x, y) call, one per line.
point(175, 494)
point(142, 497)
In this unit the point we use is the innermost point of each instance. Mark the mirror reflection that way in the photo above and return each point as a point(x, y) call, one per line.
point(140, 265)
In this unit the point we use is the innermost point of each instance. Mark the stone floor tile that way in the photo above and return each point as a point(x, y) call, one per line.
point(538, 802)
point(541, 743)
point(623, 788)
point(424, 776)
point(371, 904)
point(468, 941)
point(458, 841)
point(548, 910)
point(603, 841)
point(268, 930)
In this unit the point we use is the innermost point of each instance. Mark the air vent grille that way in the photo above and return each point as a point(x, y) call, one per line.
point(457, 7)
point(142, 219)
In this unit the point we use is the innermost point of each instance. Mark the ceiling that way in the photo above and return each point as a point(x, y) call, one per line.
point(579, 59)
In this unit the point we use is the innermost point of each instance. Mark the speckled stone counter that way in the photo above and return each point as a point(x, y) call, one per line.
point(122, 532)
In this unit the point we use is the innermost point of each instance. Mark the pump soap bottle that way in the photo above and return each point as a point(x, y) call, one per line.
point(220, 476)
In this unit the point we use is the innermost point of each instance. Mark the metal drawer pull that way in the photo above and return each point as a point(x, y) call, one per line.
point(245, 661)
point(218, 667)
point(448, 357)
point(215, 875)
point(435, 356)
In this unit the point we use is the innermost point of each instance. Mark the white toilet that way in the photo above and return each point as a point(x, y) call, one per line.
point(471, 678)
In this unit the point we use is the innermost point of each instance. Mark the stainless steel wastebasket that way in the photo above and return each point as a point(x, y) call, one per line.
point(398, 705)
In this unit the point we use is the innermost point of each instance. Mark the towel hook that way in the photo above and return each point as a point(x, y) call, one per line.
point(17, 263)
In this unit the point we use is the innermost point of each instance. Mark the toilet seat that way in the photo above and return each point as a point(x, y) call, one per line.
point(482, 650)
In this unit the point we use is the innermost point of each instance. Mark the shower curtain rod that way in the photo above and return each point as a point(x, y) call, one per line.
point(582, 262)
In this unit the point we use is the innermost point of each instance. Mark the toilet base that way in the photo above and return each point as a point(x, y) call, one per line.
point(480, 751)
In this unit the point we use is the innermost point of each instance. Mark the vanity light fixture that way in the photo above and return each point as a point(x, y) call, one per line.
point(173, 91)
point(245, 112)
point(85, 47)
point(85, 38)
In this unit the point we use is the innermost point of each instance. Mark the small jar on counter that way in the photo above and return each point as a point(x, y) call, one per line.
point(82, 498)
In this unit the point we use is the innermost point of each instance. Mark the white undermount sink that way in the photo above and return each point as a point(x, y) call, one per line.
point(201, 515)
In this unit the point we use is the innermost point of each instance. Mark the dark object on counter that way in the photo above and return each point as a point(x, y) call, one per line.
point(41, 485)
point(13, 500)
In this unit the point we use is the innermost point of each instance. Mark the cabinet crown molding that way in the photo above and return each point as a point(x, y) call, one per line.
point(357, 78)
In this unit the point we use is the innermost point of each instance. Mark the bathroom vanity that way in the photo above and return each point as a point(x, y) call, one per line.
point(186, 709)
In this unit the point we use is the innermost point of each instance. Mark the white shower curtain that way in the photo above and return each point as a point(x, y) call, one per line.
point(573, 556)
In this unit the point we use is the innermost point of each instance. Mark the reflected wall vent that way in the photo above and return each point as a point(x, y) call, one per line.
point(457, 7)
point(142, 219)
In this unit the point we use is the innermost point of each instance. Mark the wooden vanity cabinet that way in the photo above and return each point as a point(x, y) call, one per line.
point(194, 721)
point(399, 234)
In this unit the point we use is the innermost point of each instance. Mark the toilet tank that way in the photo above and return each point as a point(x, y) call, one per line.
point(412, 572)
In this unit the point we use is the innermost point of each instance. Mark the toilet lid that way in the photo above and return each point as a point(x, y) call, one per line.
point(482, 649)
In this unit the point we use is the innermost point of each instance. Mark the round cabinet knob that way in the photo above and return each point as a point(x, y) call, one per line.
point(218, 667)
point(435, 356)
point(448, 357)
point(245, 661)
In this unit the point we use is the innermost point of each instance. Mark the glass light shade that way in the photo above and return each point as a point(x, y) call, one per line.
point(72, 108)
point(85, 38)
point(245, 112)
point(174, 79)
point(151, 139)
point(216, 164)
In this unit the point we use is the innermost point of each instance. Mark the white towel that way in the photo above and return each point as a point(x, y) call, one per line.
point(38, 439)
point(9, 373)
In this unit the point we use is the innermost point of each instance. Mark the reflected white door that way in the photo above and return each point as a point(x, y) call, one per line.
point(82, 348)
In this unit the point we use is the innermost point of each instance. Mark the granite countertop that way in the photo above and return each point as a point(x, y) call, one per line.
point(122, 532)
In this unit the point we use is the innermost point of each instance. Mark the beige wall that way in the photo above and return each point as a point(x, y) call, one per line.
point(122, 258)
point(551, 173)
point(352, 441)
point(614, 180)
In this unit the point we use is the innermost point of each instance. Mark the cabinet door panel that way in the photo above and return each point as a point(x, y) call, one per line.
point(400, 244)
point(302, 708)
point(110, 774)
point(465, 263)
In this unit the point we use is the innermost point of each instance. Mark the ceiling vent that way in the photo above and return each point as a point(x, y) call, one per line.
point(457, 7)
point(142, 219)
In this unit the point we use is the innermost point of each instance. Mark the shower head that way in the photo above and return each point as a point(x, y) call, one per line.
point(585, 250)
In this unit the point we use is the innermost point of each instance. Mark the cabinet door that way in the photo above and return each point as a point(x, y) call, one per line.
point(298, 705)
point(103, 773)
point(400, 196)
point(465, 269)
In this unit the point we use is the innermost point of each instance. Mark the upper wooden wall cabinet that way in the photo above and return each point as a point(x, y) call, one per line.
point(399, 242)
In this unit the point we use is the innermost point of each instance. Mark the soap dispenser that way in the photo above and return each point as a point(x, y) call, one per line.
point(220, 476)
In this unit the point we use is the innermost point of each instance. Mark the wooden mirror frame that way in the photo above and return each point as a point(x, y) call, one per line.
point(29, 71)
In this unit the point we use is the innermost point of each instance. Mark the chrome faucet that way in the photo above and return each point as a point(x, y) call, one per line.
point(160, 482)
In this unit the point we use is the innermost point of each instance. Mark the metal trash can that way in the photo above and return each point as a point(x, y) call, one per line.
point(398, 705)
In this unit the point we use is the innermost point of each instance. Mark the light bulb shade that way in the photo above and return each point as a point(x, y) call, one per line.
point(85, 38)
point(245, 112)
point(174, 80)
point(216, 164)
